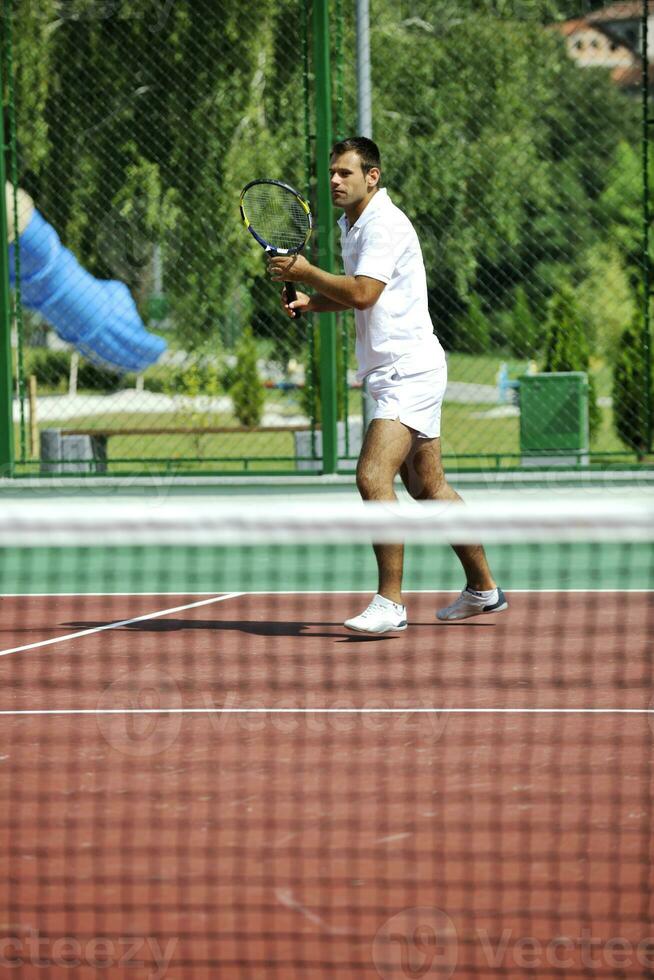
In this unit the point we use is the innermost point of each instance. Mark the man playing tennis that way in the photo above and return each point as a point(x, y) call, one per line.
point(404, 366)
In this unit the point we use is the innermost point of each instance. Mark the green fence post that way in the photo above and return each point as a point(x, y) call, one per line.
point(328, 391)
point(647, 281)
point(6, 373)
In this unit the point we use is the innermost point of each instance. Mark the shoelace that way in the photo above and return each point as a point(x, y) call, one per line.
point(372, 608)
point(467, 596)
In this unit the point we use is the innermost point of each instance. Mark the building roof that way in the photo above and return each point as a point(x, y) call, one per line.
point(626, 75)
point(568, 27)
point(632, 77)
point(632, 10)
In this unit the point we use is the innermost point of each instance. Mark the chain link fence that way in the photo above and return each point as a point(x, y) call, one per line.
point(512, 133)
point(137, 126)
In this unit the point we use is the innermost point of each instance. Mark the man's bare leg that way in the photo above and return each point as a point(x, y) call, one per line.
point(424, 478)
point(386, 445)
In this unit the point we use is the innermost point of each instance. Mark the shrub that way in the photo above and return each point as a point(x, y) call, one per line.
point(473, 329)
point(248, 393)
point(95, 378)
point(523, 330)
point(161, 378)
point(310, 392)
point(52, 371)
point(51, 368)
point(310, 395)
point(606, 299)
point(566, 348)
point(629, 391)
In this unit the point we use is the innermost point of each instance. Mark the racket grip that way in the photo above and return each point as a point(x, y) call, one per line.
point(291, 294)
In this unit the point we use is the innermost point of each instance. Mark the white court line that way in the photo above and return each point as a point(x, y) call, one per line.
point(116, 625)
point(90, 595)
point(232, 595)
point(435, 591)
point(83, 595)
point(332, 711)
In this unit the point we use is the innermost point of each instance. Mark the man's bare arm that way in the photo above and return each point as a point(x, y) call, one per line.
point(310, 304)
point(351, 292)
point(323, 304)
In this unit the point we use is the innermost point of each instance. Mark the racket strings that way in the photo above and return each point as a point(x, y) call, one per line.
point(276, 215)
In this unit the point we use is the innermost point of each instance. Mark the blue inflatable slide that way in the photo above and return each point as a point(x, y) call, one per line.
point(99, 317)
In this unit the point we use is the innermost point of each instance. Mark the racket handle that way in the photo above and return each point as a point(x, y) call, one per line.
point(291, 294)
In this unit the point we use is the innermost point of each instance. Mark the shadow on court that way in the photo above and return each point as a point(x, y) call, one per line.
point(307, 630)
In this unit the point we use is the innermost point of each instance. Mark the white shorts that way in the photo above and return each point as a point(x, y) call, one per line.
point(415, 399)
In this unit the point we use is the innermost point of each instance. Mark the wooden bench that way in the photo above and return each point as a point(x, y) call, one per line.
point(181, 430)
point(96, 457)
point(84, 450)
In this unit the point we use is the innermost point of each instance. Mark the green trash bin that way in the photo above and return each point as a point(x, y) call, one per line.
point(554, 419)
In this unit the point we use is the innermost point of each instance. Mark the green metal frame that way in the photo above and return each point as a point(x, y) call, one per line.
point(318, 22)
point(6, 372)
point(647, 277)
point(323, 98)
point(505, 463)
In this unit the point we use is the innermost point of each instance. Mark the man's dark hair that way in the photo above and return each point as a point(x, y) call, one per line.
point(367, 151)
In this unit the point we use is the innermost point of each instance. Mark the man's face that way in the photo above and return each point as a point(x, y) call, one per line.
point(349, 185)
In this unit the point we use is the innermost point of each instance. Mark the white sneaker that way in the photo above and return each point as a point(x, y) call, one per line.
point(381, 616)
point(470, 604)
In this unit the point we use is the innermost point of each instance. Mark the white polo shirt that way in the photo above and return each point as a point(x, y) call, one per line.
point(397, 330)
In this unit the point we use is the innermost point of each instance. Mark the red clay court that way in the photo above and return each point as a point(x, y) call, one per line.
point(241, 788)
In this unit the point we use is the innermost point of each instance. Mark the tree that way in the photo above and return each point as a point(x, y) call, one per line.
point(248, 393)
point(630, 396)
point(621, 202)
point(496, 143)
point(310, 394)
point(524, 328)
point(138, 126)
point(566, 348)
point(473, 329)
point(605, 299)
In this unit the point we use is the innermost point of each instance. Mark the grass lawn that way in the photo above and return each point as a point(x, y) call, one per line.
point(467, 442)
point(464, 434)
point(482, 369)
point(472, 435)
point(174, 449)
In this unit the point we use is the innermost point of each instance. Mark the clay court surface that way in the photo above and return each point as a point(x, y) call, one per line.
point(246, 786)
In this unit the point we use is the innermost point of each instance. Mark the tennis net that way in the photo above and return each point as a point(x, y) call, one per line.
point(205, 775)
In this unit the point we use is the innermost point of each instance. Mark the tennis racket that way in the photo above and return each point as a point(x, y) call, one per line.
point(278, 218)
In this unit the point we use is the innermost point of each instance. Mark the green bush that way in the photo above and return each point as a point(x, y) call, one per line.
point(309, 395)
point(229, 376)
point(248, 393)
point(94, 378)
point(51, 369)
point(198, 376)
point(629, 391)
point(161, 378)
point(310, 392)
point(524, 328)
point(566, 347)
point(473, 330)
point(606, 298)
